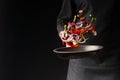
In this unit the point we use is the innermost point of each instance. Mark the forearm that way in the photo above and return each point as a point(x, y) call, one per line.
point(64, 15)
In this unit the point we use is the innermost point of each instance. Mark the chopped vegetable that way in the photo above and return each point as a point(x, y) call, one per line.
point(74, 32)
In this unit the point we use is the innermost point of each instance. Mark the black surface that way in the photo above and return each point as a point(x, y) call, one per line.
point(27, 37)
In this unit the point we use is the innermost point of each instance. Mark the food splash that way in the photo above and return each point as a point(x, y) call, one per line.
point(75, 32)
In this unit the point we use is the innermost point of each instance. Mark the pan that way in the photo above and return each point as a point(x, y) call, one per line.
point(80, 52)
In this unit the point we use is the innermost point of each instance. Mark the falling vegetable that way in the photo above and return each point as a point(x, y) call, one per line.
point(74, 32)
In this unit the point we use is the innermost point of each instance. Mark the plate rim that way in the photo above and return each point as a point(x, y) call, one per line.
point(70, 52)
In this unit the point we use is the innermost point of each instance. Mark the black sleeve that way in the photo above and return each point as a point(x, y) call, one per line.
point(86, 6)
point(69, 8)
point(64, 15)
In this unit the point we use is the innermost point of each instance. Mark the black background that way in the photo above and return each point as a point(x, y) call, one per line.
point(27, 37)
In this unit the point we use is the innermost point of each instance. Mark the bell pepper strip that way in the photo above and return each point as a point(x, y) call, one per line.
point(70, 44)
point(77, 32)
point(82, 18)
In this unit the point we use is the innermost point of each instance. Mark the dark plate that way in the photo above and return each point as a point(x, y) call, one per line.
point(80, 52)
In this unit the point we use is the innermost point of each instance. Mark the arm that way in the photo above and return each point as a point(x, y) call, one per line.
point(69, 8)
point(64, 15)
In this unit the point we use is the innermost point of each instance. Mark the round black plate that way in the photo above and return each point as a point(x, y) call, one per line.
point(79, 52)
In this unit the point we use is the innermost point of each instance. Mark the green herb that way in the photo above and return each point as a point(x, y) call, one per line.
point(65, 27)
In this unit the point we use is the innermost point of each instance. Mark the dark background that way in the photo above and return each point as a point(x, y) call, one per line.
point(27, 37)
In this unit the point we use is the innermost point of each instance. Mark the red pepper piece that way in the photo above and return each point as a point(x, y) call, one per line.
point(69, 44)
point(77, 31)
point(75, 46)
point(82, 18)
point(83, 31)
point(72, 45)
point(93, 27)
